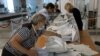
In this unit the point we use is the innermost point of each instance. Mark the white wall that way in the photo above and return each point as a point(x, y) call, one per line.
point(98, 18)
point(62, 4)
point(49, 1)
point(10, 6)
point(39, 4)
point(80, 4)
point(92, 5)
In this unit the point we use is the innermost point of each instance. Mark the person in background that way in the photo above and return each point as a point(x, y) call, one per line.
point(47, 11)
point(23, 41)
point(76, 13)
point(55, 14)
point(56, 9)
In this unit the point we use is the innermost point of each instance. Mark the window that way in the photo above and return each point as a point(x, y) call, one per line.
point(10, 6)
point(49, 1)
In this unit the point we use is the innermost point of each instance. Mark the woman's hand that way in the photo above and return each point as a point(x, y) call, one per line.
point(15, 42)
point(32, 52)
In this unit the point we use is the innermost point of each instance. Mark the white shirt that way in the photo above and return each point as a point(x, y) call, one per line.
point(44, 12)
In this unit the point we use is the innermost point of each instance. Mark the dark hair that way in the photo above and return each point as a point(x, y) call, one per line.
point(56, 6)
point(50, 5)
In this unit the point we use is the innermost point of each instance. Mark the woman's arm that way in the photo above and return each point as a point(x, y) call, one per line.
point(15, 42)
point(49, 33)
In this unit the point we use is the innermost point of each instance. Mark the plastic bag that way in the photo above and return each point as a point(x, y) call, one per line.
point(65, 27)
point(42, 52)
point(56, 44)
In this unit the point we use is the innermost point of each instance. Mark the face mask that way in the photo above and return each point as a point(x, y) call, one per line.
point(39, 31)
point(42, 28)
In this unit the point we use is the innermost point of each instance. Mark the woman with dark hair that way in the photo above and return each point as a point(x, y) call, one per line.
point(47, 11)
point(56, 9)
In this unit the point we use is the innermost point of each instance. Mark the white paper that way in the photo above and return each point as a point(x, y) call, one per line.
point(42, 52)
point(65, 27)
point(70, 53)
point(56, 44)
point(84, 49)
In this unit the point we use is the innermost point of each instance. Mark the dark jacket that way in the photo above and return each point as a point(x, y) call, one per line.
point(77, 16)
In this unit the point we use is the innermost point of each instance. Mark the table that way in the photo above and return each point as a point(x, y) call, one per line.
point(85, 39)
point(11, 16)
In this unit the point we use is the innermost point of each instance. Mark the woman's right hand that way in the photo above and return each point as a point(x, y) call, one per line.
point(32, 52)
